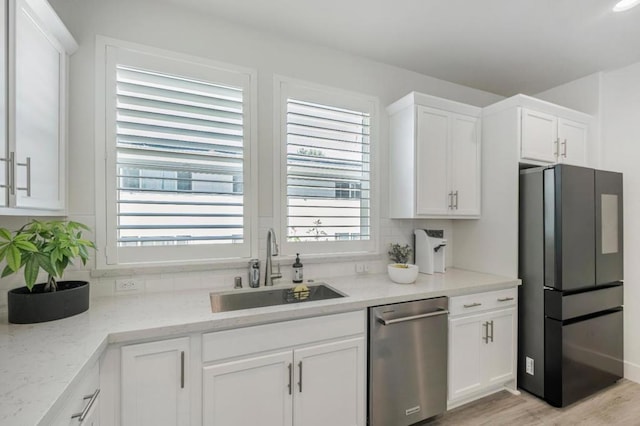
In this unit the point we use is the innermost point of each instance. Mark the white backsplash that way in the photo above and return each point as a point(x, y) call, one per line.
point(221, 278)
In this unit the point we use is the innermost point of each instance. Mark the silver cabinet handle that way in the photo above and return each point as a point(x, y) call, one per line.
point(485, 325)
point(491, 332)
point(505, 299)
point(92, 399)
point(290, 377)
point(557, 144)
point(27, 188)
point(300, 377)
point(451, 200)
point(412, 317)
point(182, 370)
point(8, 172)
point(472, 305)
point(564, 148)
point(456, 203)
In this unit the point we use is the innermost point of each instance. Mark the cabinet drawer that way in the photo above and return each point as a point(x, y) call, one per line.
point(79, 398)
point(242, 341)
point(479, 302)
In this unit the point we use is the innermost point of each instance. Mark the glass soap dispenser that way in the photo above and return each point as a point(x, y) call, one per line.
point(297, 270)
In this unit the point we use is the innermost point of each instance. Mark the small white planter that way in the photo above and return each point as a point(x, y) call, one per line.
point(401, 273)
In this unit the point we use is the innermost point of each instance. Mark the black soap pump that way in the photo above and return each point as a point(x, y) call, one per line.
point(297, 270)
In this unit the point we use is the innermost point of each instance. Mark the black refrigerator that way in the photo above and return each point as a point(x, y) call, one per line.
point(570, 341)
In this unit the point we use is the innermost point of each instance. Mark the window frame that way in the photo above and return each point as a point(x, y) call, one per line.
point(286, 88)
point(110, 52)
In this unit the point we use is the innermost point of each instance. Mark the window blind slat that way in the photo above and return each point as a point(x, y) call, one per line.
point(180, 160)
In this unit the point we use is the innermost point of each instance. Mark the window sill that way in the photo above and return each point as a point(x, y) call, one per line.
point(216, 265)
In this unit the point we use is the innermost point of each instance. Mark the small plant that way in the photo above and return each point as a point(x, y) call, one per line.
point(400, 253)
point(47, 245)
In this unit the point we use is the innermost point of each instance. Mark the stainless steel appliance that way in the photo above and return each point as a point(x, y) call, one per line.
point(407, 362)
point(570, 341)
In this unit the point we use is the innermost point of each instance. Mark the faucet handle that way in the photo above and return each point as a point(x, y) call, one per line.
point(277, 274)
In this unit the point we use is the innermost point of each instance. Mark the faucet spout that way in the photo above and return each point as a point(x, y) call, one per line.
point(272, 250)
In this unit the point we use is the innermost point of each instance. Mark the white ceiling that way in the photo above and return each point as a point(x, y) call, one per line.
point(501, 46)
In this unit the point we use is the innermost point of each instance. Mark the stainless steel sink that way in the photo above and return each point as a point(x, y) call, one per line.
point(247, 299)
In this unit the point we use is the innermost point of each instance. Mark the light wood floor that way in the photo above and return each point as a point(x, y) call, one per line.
point(616, 405)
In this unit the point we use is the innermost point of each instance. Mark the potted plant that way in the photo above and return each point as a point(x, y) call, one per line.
point(401, 271)
point(50, 246)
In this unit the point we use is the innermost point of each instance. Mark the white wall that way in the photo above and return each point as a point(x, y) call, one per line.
point(174, 28)
point(621, 152)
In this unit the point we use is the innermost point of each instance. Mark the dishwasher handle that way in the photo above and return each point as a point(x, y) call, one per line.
point(440, 311)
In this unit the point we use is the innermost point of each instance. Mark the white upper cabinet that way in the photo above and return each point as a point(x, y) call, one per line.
point(539, 136)
point(33, 170)
point(4, 150)
point(546, 133)
point(573, 140)
point(435, 154)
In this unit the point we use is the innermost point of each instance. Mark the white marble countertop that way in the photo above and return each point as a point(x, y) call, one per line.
point(39, 362)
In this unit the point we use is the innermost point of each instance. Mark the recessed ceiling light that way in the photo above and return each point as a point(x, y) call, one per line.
point(623, 5)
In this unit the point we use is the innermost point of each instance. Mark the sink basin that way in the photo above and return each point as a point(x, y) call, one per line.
point(247, 299)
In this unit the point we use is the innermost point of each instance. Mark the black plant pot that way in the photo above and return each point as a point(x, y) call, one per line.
point(26, 307)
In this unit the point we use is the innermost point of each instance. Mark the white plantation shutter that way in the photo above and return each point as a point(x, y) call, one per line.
point(328, 173)
point(179, 160)
point(177, 137)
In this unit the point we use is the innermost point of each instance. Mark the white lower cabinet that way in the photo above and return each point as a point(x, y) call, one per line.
point(302, 383)
point(329, 383)
point(482, 345)
point(154, 383)
point(251, 391)
point(82, 407)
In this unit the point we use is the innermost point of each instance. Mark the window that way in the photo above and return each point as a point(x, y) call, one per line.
point(326, 165)
point(177, 138)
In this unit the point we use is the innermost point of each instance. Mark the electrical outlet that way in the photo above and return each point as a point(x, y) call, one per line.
point(366, 267)
point(529, 366)
point(129, 284)
point(359, 268)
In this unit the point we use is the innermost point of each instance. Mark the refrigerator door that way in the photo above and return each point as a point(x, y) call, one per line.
point(569, 219)
point(582, 356)
point(609, 247)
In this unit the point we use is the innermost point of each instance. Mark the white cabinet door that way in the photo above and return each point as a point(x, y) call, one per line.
point(500, 357)
point(465, 165)
point(329, 382)
point(465, 362)
point(539, 136)
point(39, 101)
point(432, 193)
point(4, 149)
point(482, 353)
point(573, 142)
point(252, 391)
point(155, 385)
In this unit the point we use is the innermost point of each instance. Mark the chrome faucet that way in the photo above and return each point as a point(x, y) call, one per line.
point(272, 250)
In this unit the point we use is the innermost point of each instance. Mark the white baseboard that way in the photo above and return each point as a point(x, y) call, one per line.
point(632, 371)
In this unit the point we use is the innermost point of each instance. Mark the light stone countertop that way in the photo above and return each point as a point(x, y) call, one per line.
point(40, 362)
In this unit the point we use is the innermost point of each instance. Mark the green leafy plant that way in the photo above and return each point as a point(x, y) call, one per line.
point(400, 253)
point(48, 245)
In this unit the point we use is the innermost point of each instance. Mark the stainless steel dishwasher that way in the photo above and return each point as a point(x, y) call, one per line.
point(407, 361)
